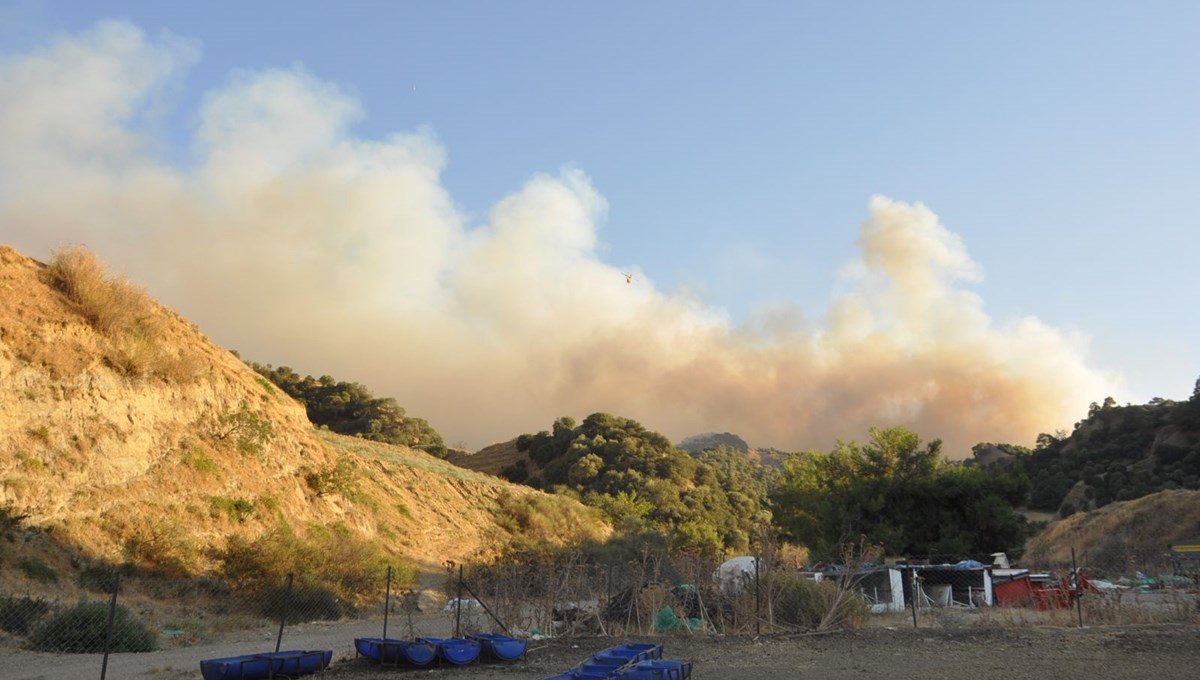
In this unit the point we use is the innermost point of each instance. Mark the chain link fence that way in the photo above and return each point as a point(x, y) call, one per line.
point(653, 594)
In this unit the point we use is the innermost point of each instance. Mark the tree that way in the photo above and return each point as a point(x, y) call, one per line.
point(899, 494)
point(643, 482)
point(351, 409)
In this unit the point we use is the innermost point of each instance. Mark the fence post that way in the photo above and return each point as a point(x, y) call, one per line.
point(1077, 587)
point(757, 598)
point(912, 587)
point(287, 598)
point(459, 605)
point(387, 600)
point(112, 612)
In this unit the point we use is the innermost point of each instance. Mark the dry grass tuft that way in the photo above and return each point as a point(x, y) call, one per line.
point(122, 312)
point(112, 305)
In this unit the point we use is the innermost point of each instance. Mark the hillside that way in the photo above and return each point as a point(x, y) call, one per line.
point(1121, 537)
point(491, 459)
point(1117, 453)
point(147, 443)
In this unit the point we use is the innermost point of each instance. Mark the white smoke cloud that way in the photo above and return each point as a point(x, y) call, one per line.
point(296, 242)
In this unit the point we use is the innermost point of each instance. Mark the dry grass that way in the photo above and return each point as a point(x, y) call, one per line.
point(124, 314)
point(1119, 538)
point(112, 305)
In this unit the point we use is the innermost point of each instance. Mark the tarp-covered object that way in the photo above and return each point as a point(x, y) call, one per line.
point(735, 573)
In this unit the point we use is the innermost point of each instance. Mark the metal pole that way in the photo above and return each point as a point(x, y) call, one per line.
point(387, 601)
point(287, 598)
point(459, 604)
point(912, 586)
point(757, 600)
point(112, 612)
point(1077, 587)
point(485, 608)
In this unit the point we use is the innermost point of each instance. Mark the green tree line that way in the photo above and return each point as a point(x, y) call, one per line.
point(1118, 453)
point(645, 485)
point(350, 408)
point(896, 492)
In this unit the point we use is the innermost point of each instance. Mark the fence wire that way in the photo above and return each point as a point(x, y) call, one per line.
point(651, 595)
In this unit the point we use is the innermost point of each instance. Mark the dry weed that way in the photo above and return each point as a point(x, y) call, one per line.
point(125, 315)
point(112, 305)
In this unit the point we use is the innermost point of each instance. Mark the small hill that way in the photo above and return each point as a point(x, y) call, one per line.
point(128, 437)
point(1120, 537)
point(695, 444)
point(491, 459)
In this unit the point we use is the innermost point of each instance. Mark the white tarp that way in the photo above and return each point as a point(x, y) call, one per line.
point(735, 573)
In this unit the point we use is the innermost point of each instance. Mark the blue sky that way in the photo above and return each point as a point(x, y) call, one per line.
point(737, 146)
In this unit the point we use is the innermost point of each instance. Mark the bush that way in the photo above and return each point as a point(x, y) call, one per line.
point(337, 478)
point(330, 557)
point(81, 630)
point(250, 431)
point(11, 520)
point(238, 510)
point(817, 606)
point(18, 615)
point(307, 603)
point(38, 570)
point(102, 578)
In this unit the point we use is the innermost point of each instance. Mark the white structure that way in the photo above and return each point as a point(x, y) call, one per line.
point(883, 589)
point(736, 574)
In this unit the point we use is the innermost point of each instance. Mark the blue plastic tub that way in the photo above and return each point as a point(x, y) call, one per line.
point(634, 651)
point(266, 665)
point(455, 650)
point(608, 664)
point(390, 651)
point(657, 669)
point(500, 647)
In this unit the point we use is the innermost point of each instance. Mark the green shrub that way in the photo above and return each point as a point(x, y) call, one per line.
point(101, 578)
point(18, 615)
point(331, 557)
point(236, 509)
point(250, 431)
point(38, 570)
point(11, 519)
point(338, 478)
point(307, 603)
point(195, 458)
point(265, 384)
point(81, 630)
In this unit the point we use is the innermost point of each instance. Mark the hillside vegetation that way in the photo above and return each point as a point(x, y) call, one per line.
point(1117, 453)
point(128, 439)
point(350, 408)
point(1122, 537)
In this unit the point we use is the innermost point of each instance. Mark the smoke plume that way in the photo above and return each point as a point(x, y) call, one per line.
point(288, 238)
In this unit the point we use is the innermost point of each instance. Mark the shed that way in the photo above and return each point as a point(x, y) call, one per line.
point(964, 584)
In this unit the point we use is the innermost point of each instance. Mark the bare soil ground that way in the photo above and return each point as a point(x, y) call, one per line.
point(1169, 651)
point(896, 652)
